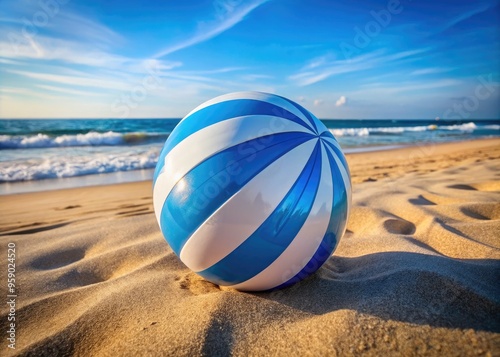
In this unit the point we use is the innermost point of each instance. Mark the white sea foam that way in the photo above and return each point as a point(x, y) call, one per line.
point(466, 127)
point(69, 166)
point(350, 132)
point(109, 138)
point(462, 127)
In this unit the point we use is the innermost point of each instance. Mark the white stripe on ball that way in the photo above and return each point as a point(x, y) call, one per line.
point(244, 212)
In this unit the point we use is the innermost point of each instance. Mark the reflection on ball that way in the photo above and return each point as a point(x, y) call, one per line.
point(252, 191)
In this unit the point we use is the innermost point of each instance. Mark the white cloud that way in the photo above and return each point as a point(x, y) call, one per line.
point(301, 99)
point(318, 102)
point(341, 101)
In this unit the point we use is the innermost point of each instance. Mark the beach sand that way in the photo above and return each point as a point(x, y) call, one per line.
point(417, 272)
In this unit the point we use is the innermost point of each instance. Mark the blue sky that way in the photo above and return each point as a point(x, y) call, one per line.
point(339, 59)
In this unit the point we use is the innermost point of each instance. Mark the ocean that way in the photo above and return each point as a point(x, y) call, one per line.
point(45, 154)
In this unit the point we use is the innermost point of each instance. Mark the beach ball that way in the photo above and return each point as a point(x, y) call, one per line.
point(252, 191)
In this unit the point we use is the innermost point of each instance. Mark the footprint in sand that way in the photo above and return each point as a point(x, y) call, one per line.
point(67, 207)
point(80, 276)
point(482, 211)
point(196, 284)
point(489, 186)
point(70, 268)
point(76, 267)
point(462, 187)
point(399, 226)
point(35, 230)
point(58, 259)
point(421, 201)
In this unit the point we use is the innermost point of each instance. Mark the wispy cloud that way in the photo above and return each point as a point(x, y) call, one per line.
point(395, 88)
point(44, 48)
point(404, 54)
point(307, 76)
point(430, 70)
point(66, 36)
point(25, 92)
point(319, 61)
point(465, 16)
point(9, 61)
point(220, 70)
point(87, 29)
point(207, 31)
point(67, 91)
point(60, 21)
point(50, 48)
point(71, 80)
point(254, 77)
point(323, 69)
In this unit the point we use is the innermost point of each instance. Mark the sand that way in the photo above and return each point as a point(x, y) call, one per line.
point(417, 272)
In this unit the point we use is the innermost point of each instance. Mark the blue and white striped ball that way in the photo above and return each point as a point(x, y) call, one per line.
point(252, 191)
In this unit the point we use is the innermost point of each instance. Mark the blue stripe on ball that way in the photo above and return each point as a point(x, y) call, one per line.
point(274, 235)
point(182, 213)
point(336, 226)
point(304, 111)
point(339, 154)
point(219, 112)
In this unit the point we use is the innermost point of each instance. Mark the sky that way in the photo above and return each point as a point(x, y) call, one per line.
point(339, 59)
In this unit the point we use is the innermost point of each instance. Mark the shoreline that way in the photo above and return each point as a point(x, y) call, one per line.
point(106, 179)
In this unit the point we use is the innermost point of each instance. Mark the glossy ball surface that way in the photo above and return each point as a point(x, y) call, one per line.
point(252, 191)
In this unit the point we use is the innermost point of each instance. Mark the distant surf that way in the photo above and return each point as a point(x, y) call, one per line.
point(92, 138)
point(466, 127)
point(32, 150)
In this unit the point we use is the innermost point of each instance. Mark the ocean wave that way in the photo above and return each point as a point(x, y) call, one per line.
point(92, 138)
point(492, 127)
point(59, 167)
point(466, 127)
point(350, 132)
point(368, 131)
point(462, 127)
